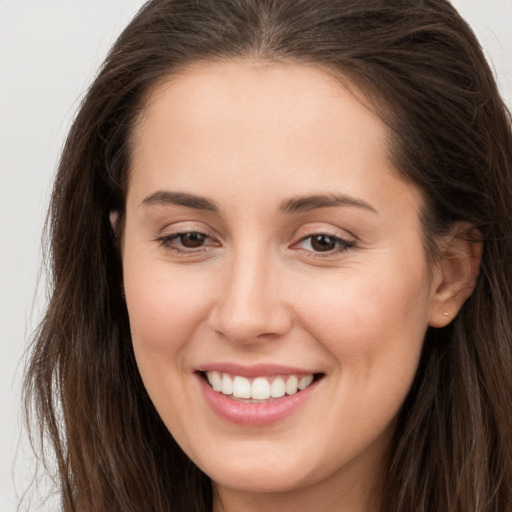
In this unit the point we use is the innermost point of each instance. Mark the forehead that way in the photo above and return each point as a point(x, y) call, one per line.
point(260, 125)
point(209, 102)
point(240, 84)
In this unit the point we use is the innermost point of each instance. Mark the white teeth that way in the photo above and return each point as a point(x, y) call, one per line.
point(215, 380)
point(277, 389)
point(261, 388)
point(241, 387)
point(291, 385)
point(227, 385)
point(305, 381)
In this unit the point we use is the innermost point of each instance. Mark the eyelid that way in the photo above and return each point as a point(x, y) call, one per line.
point(181, 227)
point(318, 228)
point(169, 234)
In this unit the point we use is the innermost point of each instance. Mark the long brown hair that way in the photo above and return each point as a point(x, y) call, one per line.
point(422, 69)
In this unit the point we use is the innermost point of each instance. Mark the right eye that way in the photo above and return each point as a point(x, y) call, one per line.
point(191, 240)
point(186, 241)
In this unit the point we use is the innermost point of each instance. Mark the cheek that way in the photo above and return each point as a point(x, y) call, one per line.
point(164, 307)
point(372, 322)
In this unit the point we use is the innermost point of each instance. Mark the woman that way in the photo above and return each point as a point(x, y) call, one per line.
point(281, 254)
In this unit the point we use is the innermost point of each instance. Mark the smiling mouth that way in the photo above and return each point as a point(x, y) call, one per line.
point(259, 388)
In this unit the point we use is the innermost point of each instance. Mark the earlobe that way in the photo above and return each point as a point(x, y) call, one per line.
point(457, 271)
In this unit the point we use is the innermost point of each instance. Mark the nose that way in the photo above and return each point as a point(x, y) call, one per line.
point(250, 305)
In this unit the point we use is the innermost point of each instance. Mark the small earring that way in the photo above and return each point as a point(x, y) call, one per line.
point(445, 313)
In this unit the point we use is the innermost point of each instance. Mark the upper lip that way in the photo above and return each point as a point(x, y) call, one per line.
point(252, 371)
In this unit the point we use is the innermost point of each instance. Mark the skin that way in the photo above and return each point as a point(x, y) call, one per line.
point(248, 137)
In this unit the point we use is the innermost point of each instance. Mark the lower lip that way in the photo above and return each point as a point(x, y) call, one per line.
point(254, 414)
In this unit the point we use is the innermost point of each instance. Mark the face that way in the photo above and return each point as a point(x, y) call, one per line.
point(275, 276)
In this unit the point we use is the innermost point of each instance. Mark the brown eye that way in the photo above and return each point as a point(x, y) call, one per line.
point(323, 243)
point(192, 240)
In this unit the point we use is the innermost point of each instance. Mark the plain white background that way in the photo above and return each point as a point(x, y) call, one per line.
point(49, 53)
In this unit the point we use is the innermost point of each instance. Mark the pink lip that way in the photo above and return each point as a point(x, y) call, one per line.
point(249, 372)
point(254, 413)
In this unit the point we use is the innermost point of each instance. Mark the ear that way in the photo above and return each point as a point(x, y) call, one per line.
point(117, 228)
point(456, 273)
point(114, 217)
point(114, 224)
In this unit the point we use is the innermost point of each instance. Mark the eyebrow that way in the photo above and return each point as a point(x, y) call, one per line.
point(308, 203)
point(163, 197)
point(290, 206)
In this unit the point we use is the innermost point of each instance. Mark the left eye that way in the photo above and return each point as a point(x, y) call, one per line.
point(324, 243)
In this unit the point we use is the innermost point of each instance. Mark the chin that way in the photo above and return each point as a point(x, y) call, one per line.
point(258, 480)
point(266, 469)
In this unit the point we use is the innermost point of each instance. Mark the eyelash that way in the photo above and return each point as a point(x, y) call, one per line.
point(341, 244)
point(167, 242)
